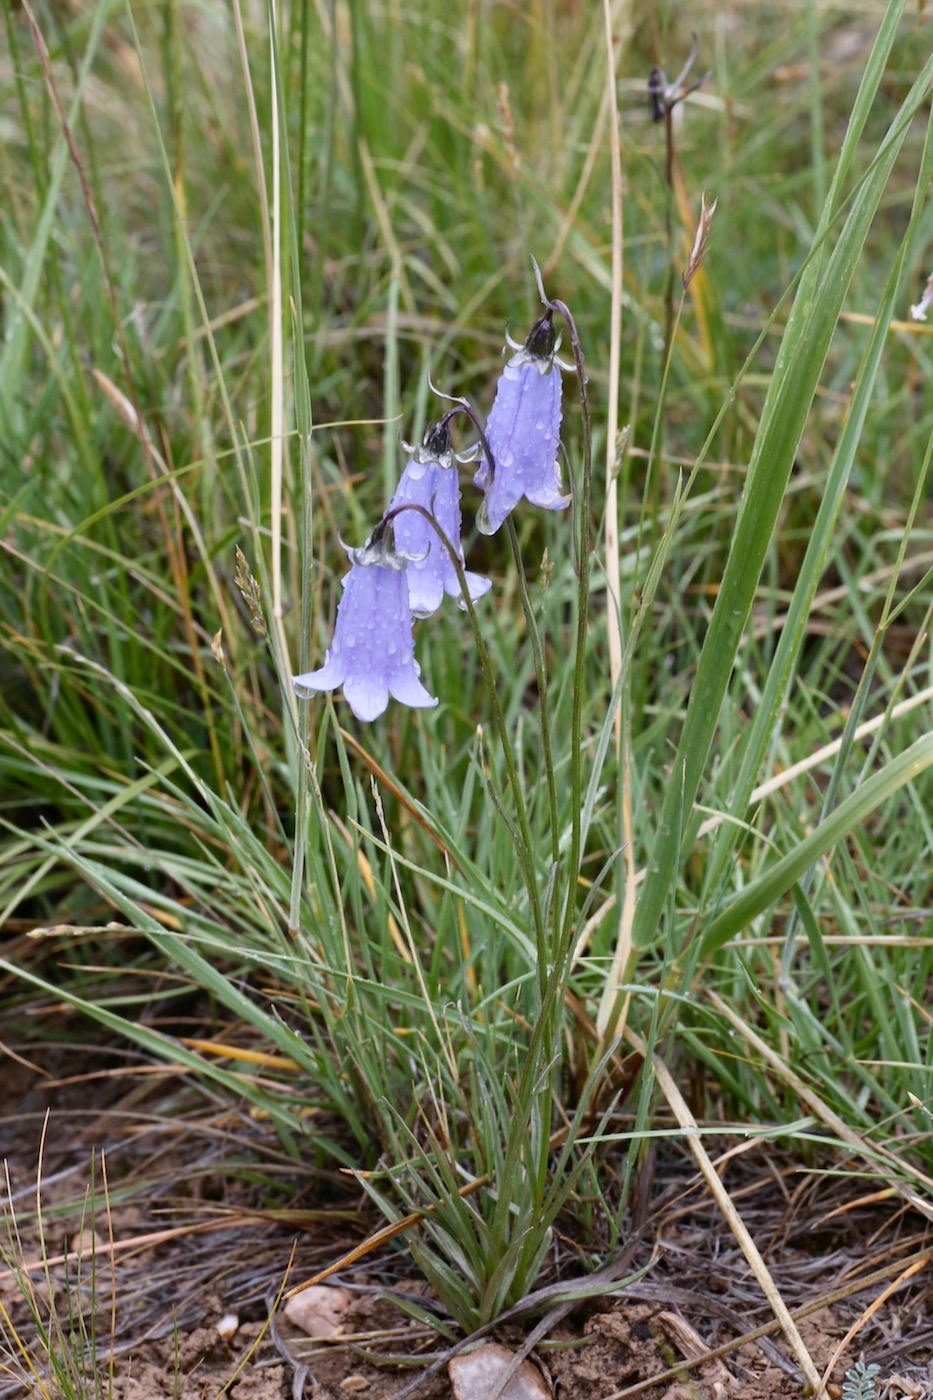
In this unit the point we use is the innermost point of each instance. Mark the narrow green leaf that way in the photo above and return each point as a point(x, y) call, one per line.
point(803, 352)
point(776, 881)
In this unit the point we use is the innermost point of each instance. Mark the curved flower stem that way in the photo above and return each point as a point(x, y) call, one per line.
point(584, 551)
point(531, 622)
point(524, 844)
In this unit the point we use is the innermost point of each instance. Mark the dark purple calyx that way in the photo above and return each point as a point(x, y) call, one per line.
point(542, 338)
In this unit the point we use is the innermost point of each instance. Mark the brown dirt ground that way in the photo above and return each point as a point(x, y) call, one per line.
point(205, 1211)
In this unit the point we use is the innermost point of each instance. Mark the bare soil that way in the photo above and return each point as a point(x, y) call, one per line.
point(171, 1291)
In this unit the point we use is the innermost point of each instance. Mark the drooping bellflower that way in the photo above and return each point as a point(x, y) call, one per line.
point(372, 654)
point(523, 432)
point(430, 480)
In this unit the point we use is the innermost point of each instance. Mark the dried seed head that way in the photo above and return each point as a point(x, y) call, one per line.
point(124, 409)
point(250, 592)
point(700, 240)
point(508, 127)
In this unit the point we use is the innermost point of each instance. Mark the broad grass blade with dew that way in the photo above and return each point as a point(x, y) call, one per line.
point(850, 813)
point(804, 346)
point(766, 717)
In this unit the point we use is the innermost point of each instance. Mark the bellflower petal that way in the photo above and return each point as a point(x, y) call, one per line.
point(447, 514)
point(523, 432)
point(373, 654)
point(434, 485)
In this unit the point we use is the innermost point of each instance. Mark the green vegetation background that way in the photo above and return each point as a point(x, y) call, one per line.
point(202, 269)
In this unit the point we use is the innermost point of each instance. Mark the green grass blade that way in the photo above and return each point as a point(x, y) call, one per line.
point(780, 672)
point(803, 353)
point(779, 878)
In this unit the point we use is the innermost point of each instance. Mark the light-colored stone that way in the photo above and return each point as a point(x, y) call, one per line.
point(228, 1326)
point(319, 1310)
point(475, 1376)
point(87, 1244)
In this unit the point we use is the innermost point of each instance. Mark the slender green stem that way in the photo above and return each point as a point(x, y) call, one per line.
point(288, 226)
point(534, 633)
point(584, 550)
point(669, 231)
point(303, 84)
point(524, 844)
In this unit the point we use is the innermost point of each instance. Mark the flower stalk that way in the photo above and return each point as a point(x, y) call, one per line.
point(413, 558)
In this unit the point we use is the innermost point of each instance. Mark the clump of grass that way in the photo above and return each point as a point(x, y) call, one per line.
point(727, 866)
point(63, 1355)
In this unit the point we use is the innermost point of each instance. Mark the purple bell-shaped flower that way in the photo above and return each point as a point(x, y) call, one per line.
point(372, 654)
point(430, 480)
point(523, 432)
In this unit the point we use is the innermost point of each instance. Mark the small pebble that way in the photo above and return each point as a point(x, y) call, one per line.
point(475, 1376)
point(228, 1326)
point(319, 1310)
